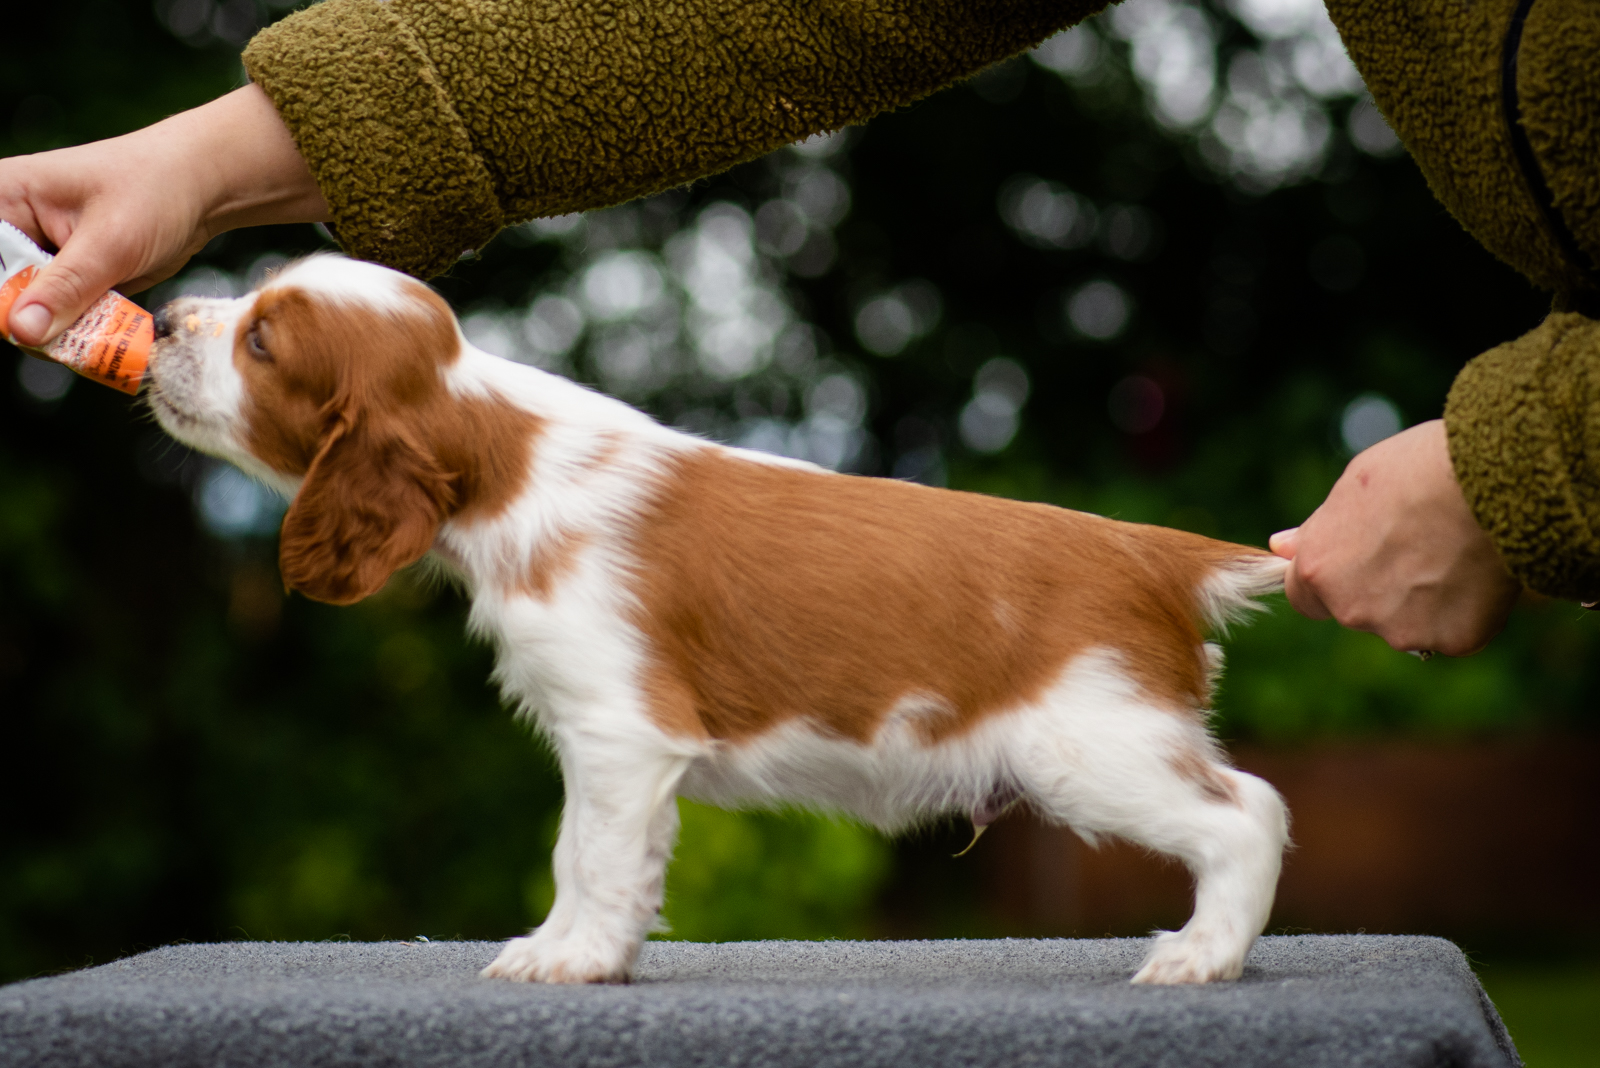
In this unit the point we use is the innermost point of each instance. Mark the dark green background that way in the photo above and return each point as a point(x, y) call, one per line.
point(190, 756)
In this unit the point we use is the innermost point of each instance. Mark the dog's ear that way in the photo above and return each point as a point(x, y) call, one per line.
point(371, 503)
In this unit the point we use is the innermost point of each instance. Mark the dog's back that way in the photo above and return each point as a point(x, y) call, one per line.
point(771, 594)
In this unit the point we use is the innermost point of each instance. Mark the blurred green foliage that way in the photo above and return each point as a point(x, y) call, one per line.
point(732, 867)
point(192, 755)
point(1549, 1010)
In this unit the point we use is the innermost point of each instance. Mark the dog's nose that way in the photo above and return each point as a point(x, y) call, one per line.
point(162, 321)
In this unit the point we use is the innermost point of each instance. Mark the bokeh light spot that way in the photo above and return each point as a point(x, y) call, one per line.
point(1074, 53)
point(1369, 130)
point(886, 324)
point(1099, 310)
point(1367, 420)
point(621, 284)
point(1046, 214)
point(44, 380)
point(1136, 404)
point(232, 505)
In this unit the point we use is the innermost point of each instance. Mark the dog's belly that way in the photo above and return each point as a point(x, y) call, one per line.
point(894, 781)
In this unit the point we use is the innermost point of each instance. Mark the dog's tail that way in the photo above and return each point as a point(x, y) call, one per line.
point(1231, 590)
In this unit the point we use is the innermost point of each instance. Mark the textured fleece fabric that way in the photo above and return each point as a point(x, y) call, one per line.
point(1305, 1002)
point(1524, 427)
point(1521, 417)
point(430, 124)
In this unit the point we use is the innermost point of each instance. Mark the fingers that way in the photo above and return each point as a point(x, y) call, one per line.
point(1301, 596)
point(1285, 543)
point(58, 296)
point(104, 243)
point(19, 215)
point(116, 209)
point(30, 324)
point(1395, 551)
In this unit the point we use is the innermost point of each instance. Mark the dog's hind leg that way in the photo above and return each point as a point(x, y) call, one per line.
point(617, 831)
point(1103, 759)
point(1232, 838)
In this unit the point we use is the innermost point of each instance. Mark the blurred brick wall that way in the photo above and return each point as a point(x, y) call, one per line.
point(1484, 840)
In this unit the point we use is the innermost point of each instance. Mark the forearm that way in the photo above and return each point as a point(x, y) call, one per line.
point(431, 124)
point(248, 164)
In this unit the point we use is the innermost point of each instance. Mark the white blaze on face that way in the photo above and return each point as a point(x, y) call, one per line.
point(196, 391)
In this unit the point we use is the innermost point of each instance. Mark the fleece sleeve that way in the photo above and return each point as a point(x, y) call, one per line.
point(430, 124)
point(1523, 422)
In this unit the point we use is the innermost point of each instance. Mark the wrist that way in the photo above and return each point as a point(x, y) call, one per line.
point(250, 171)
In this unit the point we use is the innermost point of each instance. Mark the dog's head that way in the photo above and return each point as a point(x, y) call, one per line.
point(332, 381)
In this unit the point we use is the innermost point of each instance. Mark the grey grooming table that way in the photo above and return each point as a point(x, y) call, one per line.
point(1305, 1001)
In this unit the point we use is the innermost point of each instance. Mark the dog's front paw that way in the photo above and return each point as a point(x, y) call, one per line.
point(573, 959)
point(1192, 957)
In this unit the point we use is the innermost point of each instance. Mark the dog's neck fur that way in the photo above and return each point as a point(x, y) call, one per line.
point(595, 461)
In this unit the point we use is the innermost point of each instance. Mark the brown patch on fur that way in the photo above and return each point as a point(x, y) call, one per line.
point(354, 400)
point(1204, 776)
point(551, 563)
point(769, 593)
point(608, 443)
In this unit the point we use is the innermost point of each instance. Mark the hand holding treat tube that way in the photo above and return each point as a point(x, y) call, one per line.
point(109, 343)
point(128, 212)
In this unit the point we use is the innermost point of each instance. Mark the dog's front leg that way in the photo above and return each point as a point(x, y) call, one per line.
point(610, 862)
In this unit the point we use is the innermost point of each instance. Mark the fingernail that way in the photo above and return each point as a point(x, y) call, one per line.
point(1277, 540)
point(30, 323)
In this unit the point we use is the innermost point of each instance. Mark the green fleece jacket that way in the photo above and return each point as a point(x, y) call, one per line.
point(431, 124)
point(1499, 102)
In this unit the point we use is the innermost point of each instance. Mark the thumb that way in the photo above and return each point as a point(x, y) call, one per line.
point(63, 289)
point(1285, 543)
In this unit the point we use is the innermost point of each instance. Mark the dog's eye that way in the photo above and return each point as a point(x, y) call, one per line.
point(254, 344)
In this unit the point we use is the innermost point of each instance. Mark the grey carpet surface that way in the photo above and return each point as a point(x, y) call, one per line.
point(1305, 1002)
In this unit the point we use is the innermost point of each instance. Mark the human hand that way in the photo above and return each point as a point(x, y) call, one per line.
point(128, 212)
point(1395, 550)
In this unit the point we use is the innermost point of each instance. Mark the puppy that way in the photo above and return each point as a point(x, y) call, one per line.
point(681, 618)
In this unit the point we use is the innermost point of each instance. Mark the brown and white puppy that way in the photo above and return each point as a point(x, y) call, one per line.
point(683, 618)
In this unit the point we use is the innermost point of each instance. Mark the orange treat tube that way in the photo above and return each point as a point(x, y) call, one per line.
point(109, 343)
